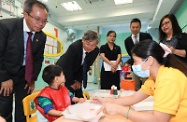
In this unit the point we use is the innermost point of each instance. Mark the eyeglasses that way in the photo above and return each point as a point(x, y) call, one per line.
point(87, 42)
point(38, 19)
point(165, 23)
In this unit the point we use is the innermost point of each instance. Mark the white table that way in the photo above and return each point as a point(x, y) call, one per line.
point(146, 104)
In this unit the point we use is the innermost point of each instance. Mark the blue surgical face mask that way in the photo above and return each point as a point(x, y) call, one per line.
point(137, 69)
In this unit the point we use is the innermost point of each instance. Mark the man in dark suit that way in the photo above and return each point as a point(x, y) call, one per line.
point(14, 40)
point(133, 39)
point(72, 61)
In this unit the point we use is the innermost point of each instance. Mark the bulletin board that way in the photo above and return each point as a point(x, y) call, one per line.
point(53, 46)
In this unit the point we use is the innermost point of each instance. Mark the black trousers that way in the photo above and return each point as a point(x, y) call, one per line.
point(78, 93)
point(6, 102)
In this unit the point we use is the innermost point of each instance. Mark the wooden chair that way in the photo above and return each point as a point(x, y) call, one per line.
point(29, 107)
point(86, 95)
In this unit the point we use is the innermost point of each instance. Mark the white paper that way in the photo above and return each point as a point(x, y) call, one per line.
point(50, 50)
point(54, 50)
point(108, 67)
point(55, 43)
point(46, 48)
point(84, 111)
point(166, 49)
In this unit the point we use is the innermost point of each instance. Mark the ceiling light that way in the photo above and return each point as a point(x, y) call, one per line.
point(71, 6)
point(119, 2)
point(45, 0)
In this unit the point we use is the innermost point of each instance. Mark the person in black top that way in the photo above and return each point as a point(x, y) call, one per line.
point(171, 35)
point(111, 54)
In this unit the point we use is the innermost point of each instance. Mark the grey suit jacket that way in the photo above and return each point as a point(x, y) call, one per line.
point(12, 48)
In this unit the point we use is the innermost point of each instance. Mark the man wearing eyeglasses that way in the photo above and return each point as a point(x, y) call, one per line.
point(72, 61)
point(22, 43)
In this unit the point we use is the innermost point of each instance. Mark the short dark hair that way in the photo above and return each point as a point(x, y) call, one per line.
point(136, 20)
point(30, 3)
point(148, 47)
point(50, 72)
point(111, 31)
point(175, 26)
point(90, 35)
point(128, 61)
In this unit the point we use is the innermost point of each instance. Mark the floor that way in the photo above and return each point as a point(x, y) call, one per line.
point(91, 86)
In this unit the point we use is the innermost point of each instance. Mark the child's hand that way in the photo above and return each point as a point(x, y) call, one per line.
point(97, 100)
point(81, 100)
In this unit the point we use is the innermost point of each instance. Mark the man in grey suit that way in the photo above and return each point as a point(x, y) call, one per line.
point(72, 61)
point(133, 39)
point(14, 35)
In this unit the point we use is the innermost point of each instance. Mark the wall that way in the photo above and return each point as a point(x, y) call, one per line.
point(122, 33)
point(119, 40)
point(62, 35)
point(181, 14)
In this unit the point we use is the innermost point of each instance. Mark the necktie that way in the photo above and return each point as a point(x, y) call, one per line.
point(29, 59)
point(85, 72)
point(135, 40)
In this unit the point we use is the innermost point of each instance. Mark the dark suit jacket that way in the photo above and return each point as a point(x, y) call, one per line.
point(71, 60)
point(129, 44)
point(12, 48)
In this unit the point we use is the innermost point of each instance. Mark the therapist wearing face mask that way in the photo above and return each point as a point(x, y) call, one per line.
point(167, 83)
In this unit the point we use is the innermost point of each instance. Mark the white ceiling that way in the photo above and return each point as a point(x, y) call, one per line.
point(105, 13)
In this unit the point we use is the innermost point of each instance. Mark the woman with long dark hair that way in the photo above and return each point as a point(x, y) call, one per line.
point(172, 36)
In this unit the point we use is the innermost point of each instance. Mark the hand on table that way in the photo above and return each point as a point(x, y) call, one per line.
point(100, 100)
point(81, 100)
point(111, 108)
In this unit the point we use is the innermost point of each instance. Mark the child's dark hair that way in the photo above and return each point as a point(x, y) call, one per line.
point(149, 47)
point(128, 61)
point(50, 72)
